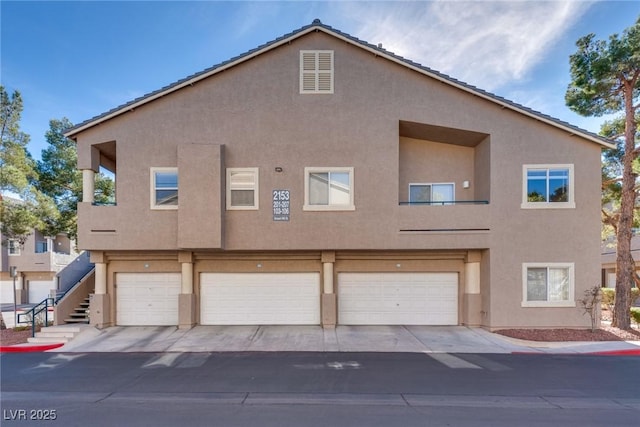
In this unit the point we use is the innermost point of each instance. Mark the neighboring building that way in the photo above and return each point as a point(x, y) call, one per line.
point(318, 179)
point(609, 261)
point(37, 264)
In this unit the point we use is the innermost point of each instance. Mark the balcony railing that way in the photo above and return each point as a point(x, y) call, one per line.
point(469, 216)
point(446, 202)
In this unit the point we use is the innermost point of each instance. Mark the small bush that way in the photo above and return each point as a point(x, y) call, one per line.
point(635, 314)
point(609, 296)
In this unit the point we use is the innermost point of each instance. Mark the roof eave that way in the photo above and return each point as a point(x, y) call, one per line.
point(356, 42)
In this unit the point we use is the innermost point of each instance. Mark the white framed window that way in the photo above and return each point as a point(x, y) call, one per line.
point(432, 193)
point(41, 247)
point(547, 186)
point(164, 188)
point(242, 188)
point(316, 71)
point(328, 189)
point(13, 247)
point(548, 285)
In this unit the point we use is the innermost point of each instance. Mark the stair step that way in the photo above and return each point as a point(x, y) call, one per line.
point(55, 334)
point(83, 314)
point(77, 320)
point(48, 340)
point(62, 328)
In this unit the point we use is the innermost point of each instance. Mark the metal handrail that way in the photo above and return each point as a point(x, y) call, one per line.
point(36, 310)
point(63, 294)
point(446, 202)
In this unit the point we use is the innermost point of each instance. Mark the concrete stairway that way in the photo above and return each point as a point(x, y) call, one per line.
point(80, 314)
point(56, 334)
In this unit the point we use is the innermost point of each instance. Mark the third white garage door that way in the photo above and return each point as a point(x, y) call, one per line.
point(398, 298)
point(260, 298)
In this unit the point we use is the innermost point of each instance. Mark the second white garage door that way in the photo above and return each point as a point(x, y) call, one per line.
point(39, 290)
point(260, 298)
point(147, 299)
point(398, 298)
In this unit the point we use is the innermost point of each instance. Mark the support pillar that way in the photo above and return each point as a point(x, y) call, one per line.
point(21, 293)
point(329, 301)
point(472, 295)
point(100, 300)
point(88, 185)
point(186, 298)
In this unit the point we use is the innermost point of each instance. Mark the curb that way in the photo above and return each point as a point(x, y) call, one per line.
point(28, 348)
point(627, 352)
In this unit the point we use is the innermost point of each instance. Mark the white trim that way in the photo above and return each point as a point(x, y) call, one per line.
point(152, 188)
point(309, 207)
point(255, 188)
point(312, 28)
point(571, 204)
point(431, 184)
point(316, 72)
point(568, 303)
point(16, 247)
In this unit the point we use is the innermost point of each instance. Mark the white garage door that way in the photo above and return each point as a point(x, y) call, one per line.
point(6, 292)
point(147, 299)
point(260, 298)
point(398, 298)
point(39, 290)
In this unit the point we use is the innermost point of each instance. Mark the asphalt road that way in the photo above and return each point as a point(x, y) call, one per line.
point(318, 389)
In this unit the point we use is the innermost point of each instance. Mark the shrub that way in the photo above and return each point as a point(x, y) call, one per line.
point(609, 296)
point(635, 314)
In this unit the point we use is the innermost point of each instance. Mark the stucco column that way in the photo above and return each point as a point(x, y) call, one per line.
point(88, 185)
point(472, 296)
point(186, 299)
point(329, 305)
point(21, 294)
point(101, 278)
point(100, 301)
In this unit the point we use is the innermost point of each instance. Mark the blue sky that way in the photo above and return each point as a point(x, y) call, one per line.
point(77, 59)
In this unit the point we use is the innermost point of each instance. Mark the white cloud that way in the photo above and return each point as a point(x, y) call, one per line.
point(487, 44)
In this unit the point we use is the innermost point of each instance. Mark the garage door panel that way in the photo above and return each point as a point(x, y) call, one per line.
point(147, 299)
point(398, 298)
point(260, 298)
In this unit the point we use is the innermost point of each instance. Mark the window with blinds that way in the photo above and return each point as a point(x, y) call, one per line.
point(242, 188)
point(316, 71)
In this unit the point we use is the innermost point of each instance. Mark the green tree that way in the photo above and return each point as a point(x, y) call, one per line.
point(17, 167)
point(22, 207)
point(605, 79)
point(61, 181)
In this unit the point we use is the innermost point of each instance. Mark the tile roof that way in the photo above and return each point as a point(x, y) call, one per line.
point(379, 50)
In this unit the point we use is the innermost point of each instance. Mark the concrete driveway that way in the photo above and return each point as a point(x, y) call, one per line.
point(413, 339)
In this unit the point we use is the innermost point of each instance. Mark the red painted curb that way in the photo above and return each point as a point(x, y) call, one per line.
point(628, 352)
point(28, 348)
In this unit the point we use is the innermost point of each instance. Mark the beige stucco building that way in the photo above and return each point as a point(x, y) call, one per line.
point(37, 263)
point(319, 179)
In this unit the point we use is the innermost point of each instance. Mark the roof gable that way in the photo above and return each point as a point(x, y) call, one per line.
point(316, 25)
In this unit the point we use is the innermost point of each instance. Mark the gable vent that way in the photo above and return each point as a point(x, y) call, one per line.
point(316, 71)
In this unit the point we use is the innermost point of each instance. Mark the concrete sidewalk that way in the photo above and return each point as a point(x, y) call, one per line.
point(412, 339)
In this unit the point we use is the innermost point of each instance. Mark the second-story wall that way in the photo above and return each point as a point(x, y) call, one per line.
point(256, 112)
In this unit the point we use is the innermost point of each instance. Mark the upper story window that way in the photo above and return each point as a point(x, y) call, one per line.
point(164, 188)
point(547, 186)
point(548, 285)
point(316, 71)
point(41, 247)
point(328, 189)
point(432, 194)
point(13, 247)
point(242, 188)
